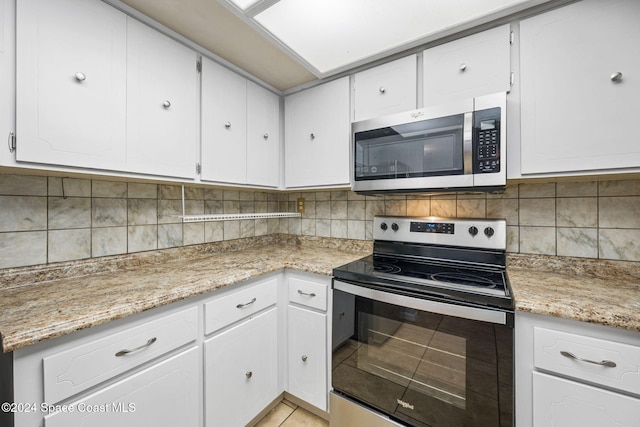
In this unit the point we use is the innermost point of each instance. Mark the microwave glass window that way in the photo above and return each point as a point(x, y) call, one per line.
point(419, 149)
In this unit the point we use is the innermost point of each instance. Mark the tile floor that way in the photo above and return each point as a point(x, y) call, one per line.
point(287, 414)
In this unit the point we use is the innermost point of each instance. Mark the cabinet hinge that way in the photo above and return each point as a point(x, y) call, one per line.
point(512, 78)
point(511, 36)
point(12, 142)
point(198, 168)
point(199, 65)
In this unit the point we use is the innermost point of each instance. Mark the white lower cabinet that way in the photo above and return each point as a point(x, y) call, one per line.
point(307, 344)
point(307, 361)
point(570, 373)
point(241, 371)
point(561, 402)
point(164, 395)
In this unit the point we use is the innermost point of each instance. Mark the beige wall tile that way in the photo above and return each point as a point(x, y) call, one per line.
point(23, 248)
point(231, 230)
point(108, 241)
point(213, 231)
point(136, 190)
point(142, 211)
point(395, 207)
point(169, 235)
point(323, 227)
point(537, 190)
point(619, 244)
point(445, 208)
point(619, 212)
point(540, 212)
point(513, 239)
point(142, 238)
point(323, 209)
point(355, 230)
point(23, 185)
point(577, 189)
point(72, 212)
point(215, 194)
point(67, 245)
point(23, 213)
point(339, 228)
point(339, 209)
point(308, 227)
point(577, 212)
point(418, 207)
point(72, 187)
point(630, 187)
point(295, 226)
point(109, 189)
point(356, 210)
point(248, 228)
point(471, 208)
point(193, 233)
point(538, 240)
point(109, 212)
point(503, 208)
point(578, 242)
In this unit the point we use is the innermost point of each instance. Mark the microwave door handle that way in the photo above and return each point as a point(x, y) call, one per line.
point(467, 143)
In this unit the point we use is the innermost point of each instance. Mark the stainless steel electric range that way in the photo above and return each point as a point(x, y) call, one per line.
point(423, 328)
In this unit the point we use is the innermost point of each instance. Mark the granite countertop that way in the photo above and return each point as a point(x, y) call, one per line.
point(44, 302)
point(596, 291)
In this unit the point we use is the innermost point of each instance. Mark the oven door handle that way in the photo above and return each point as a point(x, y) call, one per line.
point(471, 313)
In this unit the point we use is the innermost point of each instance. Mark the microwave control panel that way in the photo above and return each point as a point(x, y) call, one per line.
point(486, 141)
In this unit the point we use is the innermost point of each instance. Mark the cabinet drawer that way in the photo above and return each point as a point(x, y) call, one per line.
point(164, 394)
point(550, 346)
point(230, 308)
point(560, 402)
point(308, 293)
point(84, 366)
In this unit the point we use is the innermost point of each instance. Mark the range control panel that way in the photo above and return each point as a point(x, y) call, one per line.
point(476, 233)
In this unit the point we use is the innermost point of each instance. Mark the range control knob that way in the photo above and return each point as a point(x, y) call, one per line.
point(383, 226)
point(473, 230)
point(394, 227)
point(489, 231)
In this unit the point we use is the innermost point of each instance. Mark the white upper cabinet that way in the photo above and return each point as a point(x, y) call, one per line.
point(317, 134)
point(386, 89)
point(71, 83)
point(224, 124)
point(162, 90)
point(468, 67)
point(263, 136)
point(580, 85)
point(7, 76)
point(240, 129)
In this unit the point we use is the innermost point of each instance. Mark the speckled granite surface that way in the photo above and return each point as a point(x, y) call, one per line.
point(44, 302)
point(595, 291)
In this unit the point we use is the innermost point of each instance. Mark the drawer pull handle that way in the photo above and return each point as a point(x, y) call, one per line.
point(306, 294)
point(246, 304)
point(607, 363)
point(143, 346)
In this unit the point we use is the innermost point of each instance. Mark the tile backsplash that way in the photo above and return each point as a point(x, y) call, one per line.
point(51, 219)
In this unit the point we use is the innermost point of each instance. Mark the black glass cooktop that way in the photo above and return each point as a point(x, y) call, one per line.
point(485, 285)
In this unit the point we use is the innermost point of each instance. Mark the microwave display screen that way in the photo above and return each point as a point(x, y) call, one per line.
point(425, 148)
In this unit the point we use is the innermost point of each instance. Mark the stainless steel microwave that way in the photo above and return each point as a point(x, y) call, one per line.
point(454, 147)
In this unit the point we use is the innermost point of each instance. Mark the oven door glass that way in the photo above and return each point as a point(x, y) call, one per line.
point(426, 148)
point(422, 368)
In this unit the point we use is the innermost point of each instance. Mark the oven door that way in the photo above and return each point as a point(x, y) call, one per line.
point(422, 362)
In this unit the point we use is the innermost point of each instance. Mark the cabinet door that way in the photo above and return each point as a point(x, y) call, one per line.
point(560, 402)
point(307, 338)
point(7, 76)
point(164, 395)
point(71, 83)
point(241, 371)
point(161, 104)
point(577, 115)
point(317, 137)
point(386, 89)
point(224, 124)
point(472, 66)
point(263, 136)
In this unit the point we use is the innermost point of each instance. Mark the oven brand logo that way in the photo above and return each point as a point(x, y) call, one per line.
point(416, 115)
point(405, 405)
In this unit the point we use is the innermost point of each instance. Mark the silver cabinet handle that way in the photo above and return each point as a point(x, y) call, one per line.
point(304, 358)
point(143, 346)
point(166, 104)
point(248, 374)
point(382, 89)
point(265, 136)
point(607, 363)
point(11, 141)
point(306, 294)
point(246, 304)
point(616, 77)
point(80, 77)
point(312, 136)
point(463, 67)
point(227, 125)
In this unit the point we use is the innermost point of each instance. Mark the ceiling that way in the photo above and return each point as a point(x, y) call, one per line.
point(288, 43)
